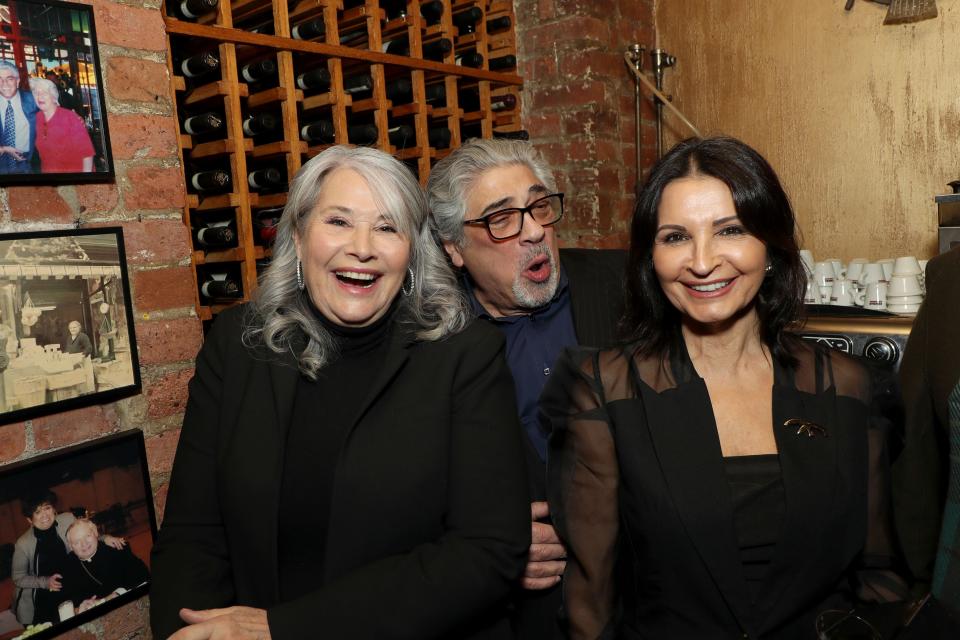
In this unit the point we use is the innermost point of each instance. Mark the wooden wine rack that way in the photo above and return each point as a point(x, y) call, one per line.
point(228, 32)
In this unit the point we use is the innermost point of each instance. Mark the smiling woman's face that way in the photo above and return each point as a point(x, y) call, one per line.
point(709, 266)
point(354, 259)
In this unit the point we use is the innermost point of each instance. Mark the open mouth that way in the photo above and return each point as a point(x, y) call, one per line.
point(539, 269)
point(357, 278)
point(717, 287)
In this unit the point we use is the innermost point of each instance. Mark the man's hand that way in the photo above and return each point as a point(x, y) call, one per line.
point(232, 623)
point(113, 541)
point(546, 563)
point(12, 151)
point(53, 582)
point(87, 604)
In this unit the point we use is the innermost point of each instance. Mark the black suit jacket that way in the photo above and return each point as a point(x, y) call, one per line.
point(929, 372)
point(595, 279)
point(429, 522)
point(639, 492)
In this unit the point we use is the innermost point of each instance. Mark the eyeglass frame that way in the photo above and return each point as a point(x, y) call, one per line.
point(485, 220)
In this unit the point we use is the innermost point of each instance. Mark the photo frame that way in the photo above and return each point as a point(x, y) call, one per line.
point(51, 84)
point(106, 483)
point(66, 324)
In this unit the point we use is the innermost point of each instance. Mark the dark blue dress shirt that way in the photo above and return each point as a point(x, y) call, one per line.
point(534, 341)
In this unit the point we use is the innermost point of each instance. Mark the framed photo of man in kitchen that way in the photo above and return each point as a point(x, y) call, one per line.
point(66, 328)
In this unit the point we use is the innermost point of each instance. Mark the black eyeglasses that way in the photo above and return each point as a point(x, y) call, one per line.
point(508, 223)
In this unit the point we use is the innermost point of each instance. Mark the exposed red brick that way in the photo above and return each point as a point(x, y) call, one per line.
point(163, 288)
point(154, 188)
point(154, 241)
point(97, 198)
point(165, 341)
point(160, 451)
point(569, 95)
point(168, 395)
point(61, 429)
point(160, 501)
point(123, 622)
point(76, 634)
point(596, 62)
point(136, 80)
point(129, 26)
point(13, 441)
point(38, 203)
point(143, 136)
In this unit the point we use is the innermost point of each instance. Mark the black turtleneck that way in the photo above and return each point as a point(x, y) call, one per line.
point(48, 559)
point(323, 413)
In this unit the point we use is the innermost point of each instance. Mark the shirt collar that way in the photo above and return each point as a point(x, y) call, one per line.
point(481, 312)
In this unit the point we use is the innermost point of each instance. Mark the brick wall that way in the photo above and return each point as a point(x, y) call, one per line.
point(579, 107)
point(146, 201)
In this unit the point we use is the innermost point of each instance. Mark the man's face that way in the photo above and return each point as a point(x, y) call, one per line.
point(514, 276)
point(83, 541)
point(74, 328)
point(9, 82)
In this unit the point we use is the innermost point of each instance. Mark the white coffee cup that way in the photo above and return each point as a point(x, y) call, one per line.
point(903, 308)
point(812, 293)
point(806, 256)
point(907, 266)
point(904, 299)
point(838, 267)
point(875, 295)
point(887, 265)
point(872, 272)
point(824, 274)
point(855, 268)
point(904, 286)
point(843, 293)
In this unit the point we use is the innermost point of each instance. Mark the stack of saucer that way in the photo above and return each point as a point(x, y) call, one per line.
point(905, 288)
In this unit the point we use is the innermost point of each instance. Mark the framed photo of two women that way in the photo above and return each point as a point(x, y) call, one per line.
point(53, 126)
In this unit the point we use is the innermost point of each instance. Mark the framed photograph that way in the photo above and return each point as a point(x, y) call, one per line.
point(76, 530)
point(53, 122)
point(66, 327)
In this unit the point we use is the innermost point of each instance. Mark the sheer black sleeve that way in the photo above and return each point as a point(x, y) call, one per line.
point(582, 478)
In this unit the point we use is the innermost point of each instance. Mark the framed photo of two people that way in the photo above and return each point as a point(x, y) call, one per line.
point(53, 126)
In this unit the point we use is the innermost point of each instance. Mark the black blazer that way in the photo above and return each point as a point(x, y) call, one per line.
point(929, 372)
point(429, 523)
point(639, 494)
point(595, 279)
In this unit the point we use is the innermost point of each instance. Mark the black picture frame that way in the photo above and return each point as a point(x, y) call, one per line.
point(106, 480)
point(48, 281)
point(56, 41)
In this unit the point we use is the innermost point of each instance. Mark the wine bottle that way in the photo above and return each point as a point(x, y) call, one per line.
point(466, 21)
point(193, 9)
point(259, 71)
point(309, 30)
point(522, 134)
point(363, 134)
point(314, 80)
point(216, 180)
point(258, 124)
point(499, 24)
point(435, 50)
point(439, 137)
point(265, 224)
point(502, 62)
point(215, 235)
point(209, 122)
point(318, 131)
point(268, 178)
point(432, 11)
point(470, 59)
point(436, 92)
point(402, 136)
point(220, 286)
point(360, 83)
point(200, 64)
point(399, 90)
point(503, 103)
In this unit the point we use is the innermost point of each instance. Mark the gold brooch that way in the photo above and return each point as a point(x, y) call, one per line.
point(805, 427)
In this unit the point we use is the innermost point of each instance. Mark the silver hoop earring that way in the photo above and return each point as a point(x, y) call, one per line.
point(300, 284)
point(769, 268)
point(413, 281)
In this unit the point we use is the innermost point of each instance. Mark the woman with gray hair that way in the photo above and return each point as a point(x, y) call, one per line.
point(350, 462)
point(63, 141)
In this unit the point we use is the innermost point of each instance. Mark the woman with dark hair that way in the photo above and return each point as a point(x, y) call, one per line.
point(717, 476)
point(351, 463)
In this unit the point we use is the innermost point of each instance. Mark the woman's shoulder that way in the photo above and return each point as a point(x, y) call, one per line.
point(478, 335)
point(849, 375)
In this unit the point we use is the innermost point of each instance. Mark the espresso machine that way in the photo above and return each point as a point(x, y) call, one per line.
point(948, 218)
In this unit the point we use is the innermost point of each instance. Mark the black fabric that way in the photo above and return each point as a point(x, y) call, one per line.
point(322, 413)
point(756, 495)
point(429, 517)
point(638, 493)
point(108, 570)
point(49, 559)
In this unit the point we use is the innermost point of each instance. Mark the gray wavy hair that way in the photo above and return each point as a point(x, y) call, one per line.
point(436, 307)
point(452, 178)
point(42, 84)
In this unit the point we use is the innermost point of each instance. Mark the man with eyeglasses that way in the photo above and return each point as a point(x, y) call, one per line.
point(18, 117)
point(494, 205)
